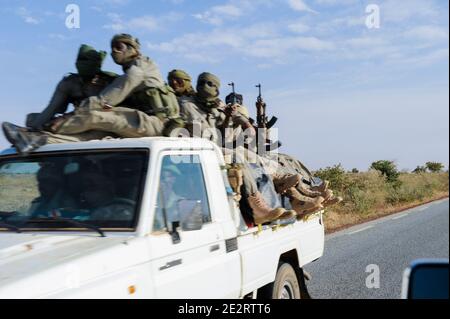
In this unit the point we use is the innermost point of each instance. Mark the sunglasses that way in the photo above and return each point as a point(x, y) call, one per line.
point(119, 46)
point(209, 83)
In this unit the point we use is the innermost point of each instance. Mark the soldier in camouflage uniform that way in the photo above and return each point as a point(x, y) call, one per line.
point(208, 112)
point(75, 87)
point(181, 83)
point(148, 106)
point(239, 102)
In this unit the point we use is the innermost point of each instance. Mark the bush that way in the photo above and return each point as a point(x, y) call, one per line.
point(388, 169)
point(420, 169)
point(434, 167)
point(336, 175)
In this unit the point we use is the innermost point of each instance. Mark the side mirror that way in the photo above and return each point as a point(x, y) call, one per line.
point(426, 279)
point(191, 216)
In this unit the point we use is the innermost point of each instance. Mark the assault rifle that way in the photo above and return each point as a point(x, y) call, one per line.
point(264, 124)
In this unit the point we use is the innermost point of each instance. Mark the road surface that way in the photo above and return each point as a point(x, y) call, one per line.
point(353, 256)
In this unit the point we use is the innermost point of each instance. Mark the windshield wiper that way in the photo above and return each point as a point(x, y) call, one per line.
point(66, 220)
point(4, 215)
point(10, 227)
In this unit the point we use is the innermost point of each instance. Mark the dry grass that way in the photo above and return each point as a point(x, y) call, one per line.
point(17, 192)
point(368, 196)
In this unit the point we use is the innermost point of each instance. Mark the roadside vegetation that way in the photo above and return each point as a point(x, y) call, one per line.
point(380, 191)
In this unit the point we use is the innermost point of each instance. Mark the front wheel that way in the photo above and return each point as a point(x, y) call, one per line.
point(285, 286)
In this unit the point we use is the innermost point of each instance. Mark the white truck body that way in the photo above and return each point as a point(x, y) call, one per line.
point(223, 259)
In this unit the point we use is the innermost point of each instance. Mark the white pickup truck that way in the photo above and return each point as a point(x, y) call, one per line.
point(140, 218)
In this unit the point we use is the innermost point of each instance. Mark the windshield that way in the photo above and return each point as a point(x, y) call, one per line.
point(72, 191)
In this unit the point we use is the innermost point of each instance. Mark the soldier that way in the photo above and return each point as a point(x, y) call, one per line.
point(208, 112)
point(51, 194)
point(238, 100)
point(150, 105)
point(181, 83)
point(99, 196)
point(75, 87)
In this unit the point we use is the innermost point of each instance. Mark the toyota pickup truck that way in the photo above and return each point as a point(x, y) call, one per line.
point(140, 218)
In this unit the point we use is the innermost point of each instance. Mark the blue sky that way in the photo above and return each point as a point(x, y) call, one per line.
point(343, 93)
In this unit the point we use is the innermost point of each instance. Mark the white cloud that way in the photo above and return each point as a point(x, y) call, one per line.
point(255, 41)
point(298, 27)
point(217, 14)
point(174, 2)
point(232, 10)
point(25, 14)
point(57, 36)
point(283, 47)
point(144, 23)
point(366, 42)
point(96, 8)
point(426, 59)
point(299, 5)
point(147, 23)
point(400, 11)
point(336, 2)
point(428, 33)
point(116, 2)
point(117, 23)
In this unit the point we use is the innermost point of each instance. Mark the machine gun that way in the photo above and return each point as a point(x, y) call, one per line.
point(264, 124)
point(233, 97)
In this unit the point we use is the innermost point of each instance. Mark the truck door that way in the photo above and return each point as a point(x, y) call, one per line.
point(189, 261)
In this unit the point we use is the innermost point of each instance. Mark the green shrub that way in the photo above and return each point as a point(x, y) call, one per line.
point(336, 175)
point(389, 170)
point(420, 169)
point(434, 167)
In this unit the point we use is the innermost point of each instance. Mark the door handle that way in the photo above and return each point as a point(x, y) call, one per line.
point(171, 264)
point(214, 248)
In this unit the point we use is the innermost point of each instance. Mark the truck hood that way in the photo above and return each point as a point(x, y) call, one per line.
point(38, 265)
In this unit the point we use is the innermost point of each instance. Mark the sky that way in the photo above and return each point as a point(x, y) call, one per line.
point(347, 88)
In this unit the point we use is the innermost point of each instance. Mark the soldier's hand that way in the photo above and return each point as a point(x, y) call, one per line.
point(249, 129)
point(231, 110)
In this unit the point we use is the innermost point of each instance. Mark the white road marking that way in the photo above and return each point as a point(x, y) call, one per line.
point(423, 208)
point(398, 217)
point(360, 230)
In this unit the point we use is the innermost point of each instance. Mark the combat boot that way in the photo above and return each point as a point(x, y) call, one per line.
point(327, 195)
point(304, 208)
point(235, 179)
point(293, 193)
point(303, 204)
point(307, 191)
point(23, 140)
point(332, 201)
point(322, 187)
point(262, 213)
point(285, 182)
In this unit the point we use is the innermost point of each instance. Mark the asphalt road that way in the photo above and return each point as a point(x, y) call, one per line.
point(353, 256)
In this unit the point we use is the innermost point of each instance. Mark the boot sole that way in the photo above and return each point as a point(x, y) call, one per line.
point(6, 133)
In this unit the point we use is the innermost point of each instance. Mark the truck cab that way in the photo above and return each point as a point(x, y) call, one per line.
point(140, 218)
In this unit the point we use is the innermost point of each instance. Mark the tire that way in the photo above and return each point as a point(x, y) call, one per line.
point(285, 286)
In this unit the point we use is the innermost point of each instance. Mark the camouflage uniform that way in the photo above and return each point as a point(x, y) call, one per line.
point(147, 104)
point(206, 118)
point(70, 90)
point(75, 87)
